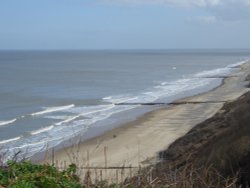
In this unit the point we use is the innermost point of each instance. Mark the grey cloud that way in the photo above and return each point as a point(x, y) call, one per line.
point(230, 10)
point(189, 3)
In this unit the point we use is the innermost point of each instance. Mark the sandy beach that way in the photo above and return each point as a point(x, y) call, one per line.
point(138, 143)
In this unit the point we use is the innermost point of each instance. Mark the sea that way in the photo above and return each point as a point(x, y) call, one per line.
point(53, 98)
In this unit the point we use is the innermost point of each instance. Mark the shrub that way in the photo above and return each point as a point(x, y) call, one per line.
point(28, 175)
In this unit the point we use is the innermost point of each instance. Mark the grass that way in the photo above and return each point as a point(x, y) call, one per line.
point(27, 175)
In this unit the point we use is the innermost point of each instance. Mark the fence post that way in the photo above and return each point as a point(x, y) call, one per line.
point(116, 177)
point(53, 156)
point(65, 165)
point(101, 175)
point(88, 178)
point(122, 174)
point(87, 158)
point(130, 171)
point(105, 160)
point(96, 176)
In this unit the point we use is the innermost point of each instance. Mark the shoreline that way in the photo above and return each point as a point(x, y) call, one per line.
point(139, 142)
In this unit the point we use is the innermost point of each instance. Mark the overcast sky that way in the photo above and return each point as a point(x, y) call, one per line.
point(124, 24)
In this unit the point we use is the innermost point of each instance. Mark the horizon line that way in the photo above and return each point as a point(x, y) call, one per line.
point(125, 49)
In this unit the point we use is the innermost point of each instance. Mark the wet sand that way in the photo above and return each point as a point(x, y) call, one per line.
point(138, 143)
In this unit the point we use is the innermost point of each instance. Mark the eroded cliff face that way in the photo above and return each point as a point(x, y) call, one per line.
point(222, 141)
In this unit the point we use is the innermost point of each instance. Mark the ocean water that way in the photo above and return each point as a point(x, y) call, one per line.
point(48, 97)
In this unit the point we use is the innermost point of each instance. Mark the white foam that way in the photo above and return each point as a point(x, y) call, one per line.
point(101, 115)
point(214, 72)
point(85, 110)
point(106, 107)
point(45, 129)
point(2, 123)
point(220, 71)
point(67, 120)
point(120, 98)
point(57, 117)
point(107, 98)
point(53, 109)
point(238, 63)
point(10, 140)
point(27, 145)
point(171, 88)
point(191, 82)
point(165, 89)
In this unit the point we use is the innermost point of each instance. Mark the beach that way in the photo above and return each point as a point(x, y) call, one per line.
point(88, 93)
point(138, 143)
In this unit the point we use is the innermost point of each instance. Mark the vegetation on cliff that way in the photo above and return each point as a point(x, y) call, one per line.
point(28, 175)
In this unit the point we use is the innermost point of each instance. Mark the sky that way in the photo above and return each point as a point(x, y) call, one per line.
point(124, 24)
